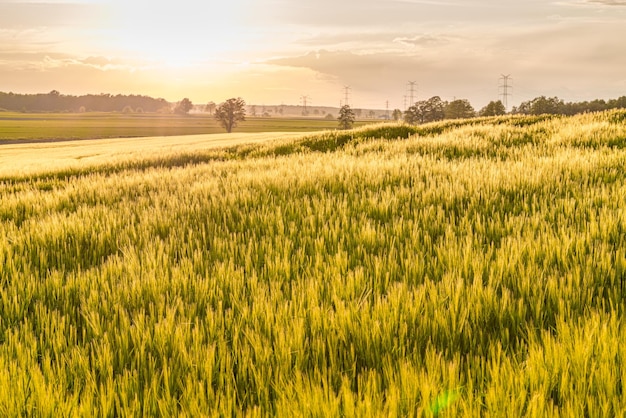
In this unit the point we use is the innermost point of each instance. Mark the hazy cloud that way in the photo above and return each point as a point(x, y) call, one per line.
point(375, 14)
point(41, 72)
point(452, 48)
point(107, 64)
point(339, 64)
point(422, 40)
point(609, 2)
point(42, 61)
point(386, 74)
point(46, 14)
point(337, 39)
point(540, 58)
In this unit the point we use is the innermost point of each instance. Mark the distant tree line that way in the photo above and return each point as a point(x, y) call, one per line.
point(57, 102)
point(555, 106)
point(423, 111)
point(435, 109)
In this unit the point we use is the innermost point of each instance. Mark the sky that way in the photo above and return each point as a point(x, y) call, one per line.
point(279, 51)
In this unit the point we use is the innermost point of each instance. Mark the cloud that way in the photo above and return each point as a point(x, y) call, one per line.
point(545, 59)
point(41, 72)
point(25, 40)
point(338, 64)
point(42, 62)
point(348, 40)
point(363, 43)
point(46, 14)
point(421, 40)
point(374, 15)
point(385, 74)
point(451, 47)
point(107, 64)
point(609, 2)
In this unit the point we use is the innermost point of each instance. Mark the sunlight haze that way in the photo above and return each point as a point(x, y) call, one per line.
point(274, 51)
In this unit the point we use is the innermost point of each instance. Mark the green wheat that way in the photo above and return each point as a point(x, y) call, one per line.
point(365, 273)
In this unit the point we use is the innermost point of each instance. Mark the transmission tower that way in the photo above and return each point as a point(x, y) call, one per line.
point(412, 92)
point(504, 88)
point(304, 100)
point(346, 95)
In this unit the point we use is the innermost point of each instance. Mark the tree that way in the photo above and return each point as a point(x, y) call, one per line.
point(184, 106)
point(424, 111)
point(433, 109)
point(459, 109)
point(396, 114)
point(210, 108)
point(619, 103)
point(57, 102)
point(346, 117)
point(230, 113)
point(545, 105)
point(412, 115)
point(493, 109)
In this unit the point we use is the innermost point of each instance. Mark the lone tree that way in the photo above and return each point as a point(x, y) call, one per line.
point(346, 117)
point(231, 112)
point(184, 106)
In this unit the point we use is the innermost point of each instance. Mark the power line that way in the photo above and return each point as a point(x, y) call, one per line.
point(505, 89)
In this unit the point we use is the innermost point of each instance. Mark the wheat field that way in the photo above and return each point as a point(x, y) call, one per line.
point(470, 268)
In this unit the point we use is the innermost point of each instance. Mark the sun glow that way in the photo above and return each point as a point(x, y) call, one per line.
point(183, 33)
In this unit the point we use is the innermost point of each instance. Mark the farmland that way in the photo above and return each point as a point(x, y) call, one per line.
point(465, 268)
point(63, 126)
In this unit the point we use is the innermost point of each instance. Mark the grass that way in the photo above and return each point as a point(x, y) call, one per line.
point(473, 268)
point(62, 126)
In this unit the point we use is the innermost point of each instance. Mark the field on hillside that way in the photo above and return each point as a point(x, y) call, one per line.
point(58, 126)
point(467, 268)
